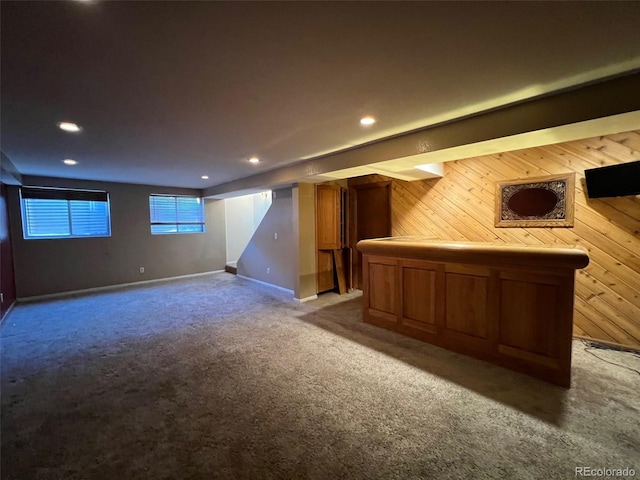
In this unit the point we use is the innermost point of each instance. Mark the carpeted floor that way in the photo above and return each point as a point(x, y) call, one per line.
point(219, 377)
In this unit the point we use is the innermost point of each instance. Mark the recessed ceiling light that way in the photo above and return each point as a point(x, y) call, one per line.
point(254, 160)
point(68, 161)
point(368, 120)
point(205, 177)
point(69, 127)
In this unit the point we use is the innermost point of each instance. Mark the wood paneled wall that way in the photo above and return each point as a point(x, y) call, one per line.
point(460, 206)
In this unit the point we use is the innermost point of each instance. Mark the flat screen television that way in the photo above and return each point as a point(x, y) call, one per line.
point(613, 181)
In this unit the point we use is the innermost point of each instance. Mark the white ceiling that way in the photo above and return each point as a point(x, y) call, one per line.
point(169, 91)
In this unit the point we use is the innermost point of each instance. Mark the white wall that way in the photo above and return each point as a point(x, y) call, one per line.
point(268, 257)
point(242, 217)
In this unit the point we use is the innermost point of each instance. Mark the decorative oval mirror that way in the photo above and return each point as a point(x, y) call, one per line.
point(536, 202)
point(533, 202)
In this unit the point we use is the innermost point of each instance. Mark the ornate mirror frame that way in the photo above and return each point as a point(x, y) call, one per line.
point(536, 202)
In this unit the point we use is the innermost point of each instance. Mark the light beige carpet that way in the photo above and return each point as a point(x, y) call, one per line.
point(219, 377)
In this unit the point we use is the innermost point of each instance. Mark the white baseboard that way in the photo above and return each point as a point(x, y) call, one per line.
point(48, 296)
point(266, 284)
point(306, 299)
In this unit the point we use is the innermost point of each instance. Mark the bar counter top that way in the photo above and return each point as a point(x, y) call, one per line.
point(478, 253)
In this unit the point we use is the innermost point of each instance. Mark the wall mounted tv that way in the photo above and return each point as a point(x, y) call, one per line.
point(613, 181)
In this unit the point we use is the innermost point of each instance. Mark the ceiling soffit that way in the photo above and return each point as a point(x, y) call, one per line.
point(579, 106)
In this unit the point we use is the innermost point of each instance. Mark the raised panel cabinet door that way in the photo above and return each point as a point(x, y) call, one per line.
point(382, 291)
point(529, 318)
point(419, 298)
point(328, 217)
point(382, 288)
point(467, 298)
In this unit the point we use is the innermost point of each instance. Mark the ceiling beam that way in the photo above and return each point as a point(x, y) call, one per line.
point(595, 100)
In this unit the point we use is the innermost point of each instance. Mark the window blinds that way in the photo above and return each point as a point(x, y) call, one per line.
point(176, 214)
point(63, 213)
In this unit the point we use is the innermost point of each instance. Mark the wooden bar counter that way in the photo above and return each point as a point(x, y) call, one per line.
point(511, 305)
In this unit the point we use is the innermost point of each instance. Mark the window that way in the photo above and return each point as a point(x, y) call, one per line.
point(64, 213)
point(176, 214)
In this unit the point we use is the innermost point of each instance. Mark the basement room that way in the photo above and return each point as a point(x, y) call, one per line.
point(319, 240)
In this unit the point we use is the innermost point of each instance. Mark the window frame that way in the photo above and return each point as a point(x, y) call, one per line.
point(68, 195)
point(177, 223)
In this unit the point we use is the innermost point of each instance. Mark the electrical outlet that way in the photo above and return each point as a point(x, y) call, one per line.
point(268, 271)
point(275, 236)
point(141, 269)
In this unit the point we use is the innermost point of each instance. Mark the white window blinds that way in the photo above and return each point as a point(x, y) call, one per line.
point(64, 213)
point(176, 214)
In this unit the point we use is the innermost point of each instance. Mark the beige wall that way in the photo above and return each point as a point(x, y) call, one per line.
point(304, 234)
point(60, 265)
point(264, 251)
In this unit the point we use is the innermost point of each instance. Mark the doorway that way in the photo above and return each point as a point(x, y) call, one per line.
point(370, 217)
